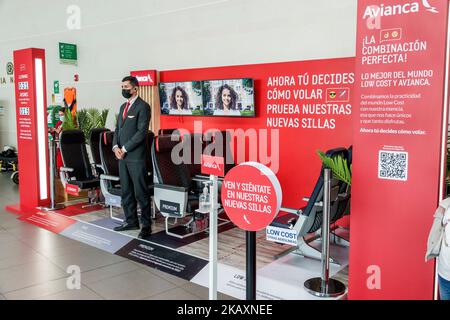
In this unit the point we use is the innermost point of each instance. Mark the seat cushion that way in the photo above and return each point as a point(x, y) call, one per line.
point(117, 191)
point(86, 184)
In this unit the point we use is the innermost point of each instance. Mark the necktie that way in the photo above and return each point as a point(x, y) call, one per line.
point(125, 110)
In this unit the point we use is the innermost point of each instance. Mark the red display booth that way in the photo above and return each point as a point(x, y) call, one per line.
point(32, 140)
point(395, 111)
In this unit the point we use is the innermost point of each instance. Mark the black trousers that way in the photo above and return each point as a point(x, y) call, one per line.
point(134, 185)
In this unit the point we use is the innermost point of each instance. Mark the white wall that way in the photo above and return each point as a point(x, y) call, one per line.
point(117, 36)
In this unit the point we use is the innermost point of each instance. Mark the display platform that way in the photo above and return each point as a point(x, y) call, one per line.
point(277, 279)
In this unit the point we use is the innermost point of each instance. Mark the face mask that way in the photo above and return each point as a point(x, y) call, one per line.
point(61, 118)
point(126, 93)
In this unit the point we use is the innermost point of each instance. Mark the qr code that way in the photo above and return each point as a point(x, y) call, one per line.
point(393, 165)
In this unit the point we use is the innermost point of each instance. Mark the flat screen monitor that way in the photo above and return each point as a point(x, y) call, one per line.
point(181, 98)
point(229, 98)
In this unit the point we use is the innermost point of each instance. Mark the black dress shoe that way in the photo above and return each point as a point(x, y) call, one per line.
point(126, 226)
point(145, 232)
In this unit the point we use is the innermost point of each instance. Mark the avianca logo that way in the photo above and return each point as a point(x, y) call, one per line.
point(375, 11)
point(212, 165)
point(146, 78)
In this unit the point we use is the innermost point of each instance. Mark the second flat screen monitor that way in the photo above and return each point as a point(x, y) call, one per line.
point(229, 98)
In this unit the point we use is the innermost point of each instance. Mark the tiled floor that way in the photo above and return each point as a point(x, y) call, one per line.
point(33, 265)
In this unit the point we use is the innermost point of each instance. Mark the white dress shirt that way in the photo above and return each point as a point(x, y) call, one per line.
point(131, 101)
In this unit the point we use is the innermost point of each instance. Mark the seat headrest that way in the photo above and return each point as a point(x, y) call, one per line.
point(96, 132)
point(350, 155)
point(107, 138)
point(165, 143)
point(150, 136)
point(72, 137)
point(166, 131)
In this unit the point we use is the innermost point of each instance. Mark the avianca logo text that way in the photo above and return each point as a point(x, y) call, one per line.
point(211, 165)
point(146, 78)
point(375, 11)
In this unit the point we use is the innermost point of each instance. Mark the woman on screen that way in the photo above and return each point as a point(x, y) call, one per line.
point(179, 101)
point(226, 102)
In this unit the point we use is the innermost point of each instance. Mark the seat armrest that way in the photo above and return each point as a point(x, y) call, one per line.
point(201, 177)
point(108, 177)
point(65, 169)
point(317, 204)
point(277, 224)
point(169, 187)
point(291, 210)
point(343, 196)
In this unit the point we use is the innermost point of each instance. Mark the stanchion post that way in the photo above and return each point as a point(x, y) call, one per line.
point(326, 231)
point(324, 286)
point(52, 156)
point(251, 265)
point(213, 193)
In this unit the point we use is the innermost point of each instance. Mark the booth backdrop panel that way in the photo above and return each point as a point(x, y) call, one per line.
point(397, 159)
point(299, 163)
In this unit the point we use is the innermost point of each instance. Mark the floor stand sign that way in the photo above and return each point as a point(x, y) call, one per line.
point(214, 166)
point(251, 196)
point(250, 267)
point(400, 120)
point(213, 217)
point(31, 121)
point(324, 286)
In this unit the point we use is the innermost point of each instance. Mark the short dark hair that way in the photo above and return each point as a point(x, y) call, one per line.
point(62, 109)
point(133, 80)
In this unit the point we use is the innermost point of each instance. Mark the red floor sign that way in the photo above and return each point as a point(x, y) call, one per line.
point(251, 196)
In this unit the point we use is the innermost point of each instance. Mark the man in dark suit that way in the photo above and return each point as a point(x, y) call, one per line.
point(130, 148)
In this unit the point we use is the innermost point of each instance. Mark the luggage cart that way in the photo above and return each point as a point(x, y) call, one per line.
point(10, 164)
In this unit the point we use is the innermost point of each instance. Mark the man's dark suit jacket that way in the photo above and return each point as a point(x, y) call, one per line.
point(132, 132)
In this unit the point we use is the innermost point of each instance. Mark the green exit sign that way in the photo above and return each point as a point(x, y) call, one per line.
point(68, 53)
point(56, 86)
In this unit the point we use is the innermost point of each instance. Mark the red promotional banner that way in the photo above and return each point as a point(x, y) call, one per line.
point(145, 77)
point(213, 165)
point(31, 111)
point(398, 121)
point(251, 196)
